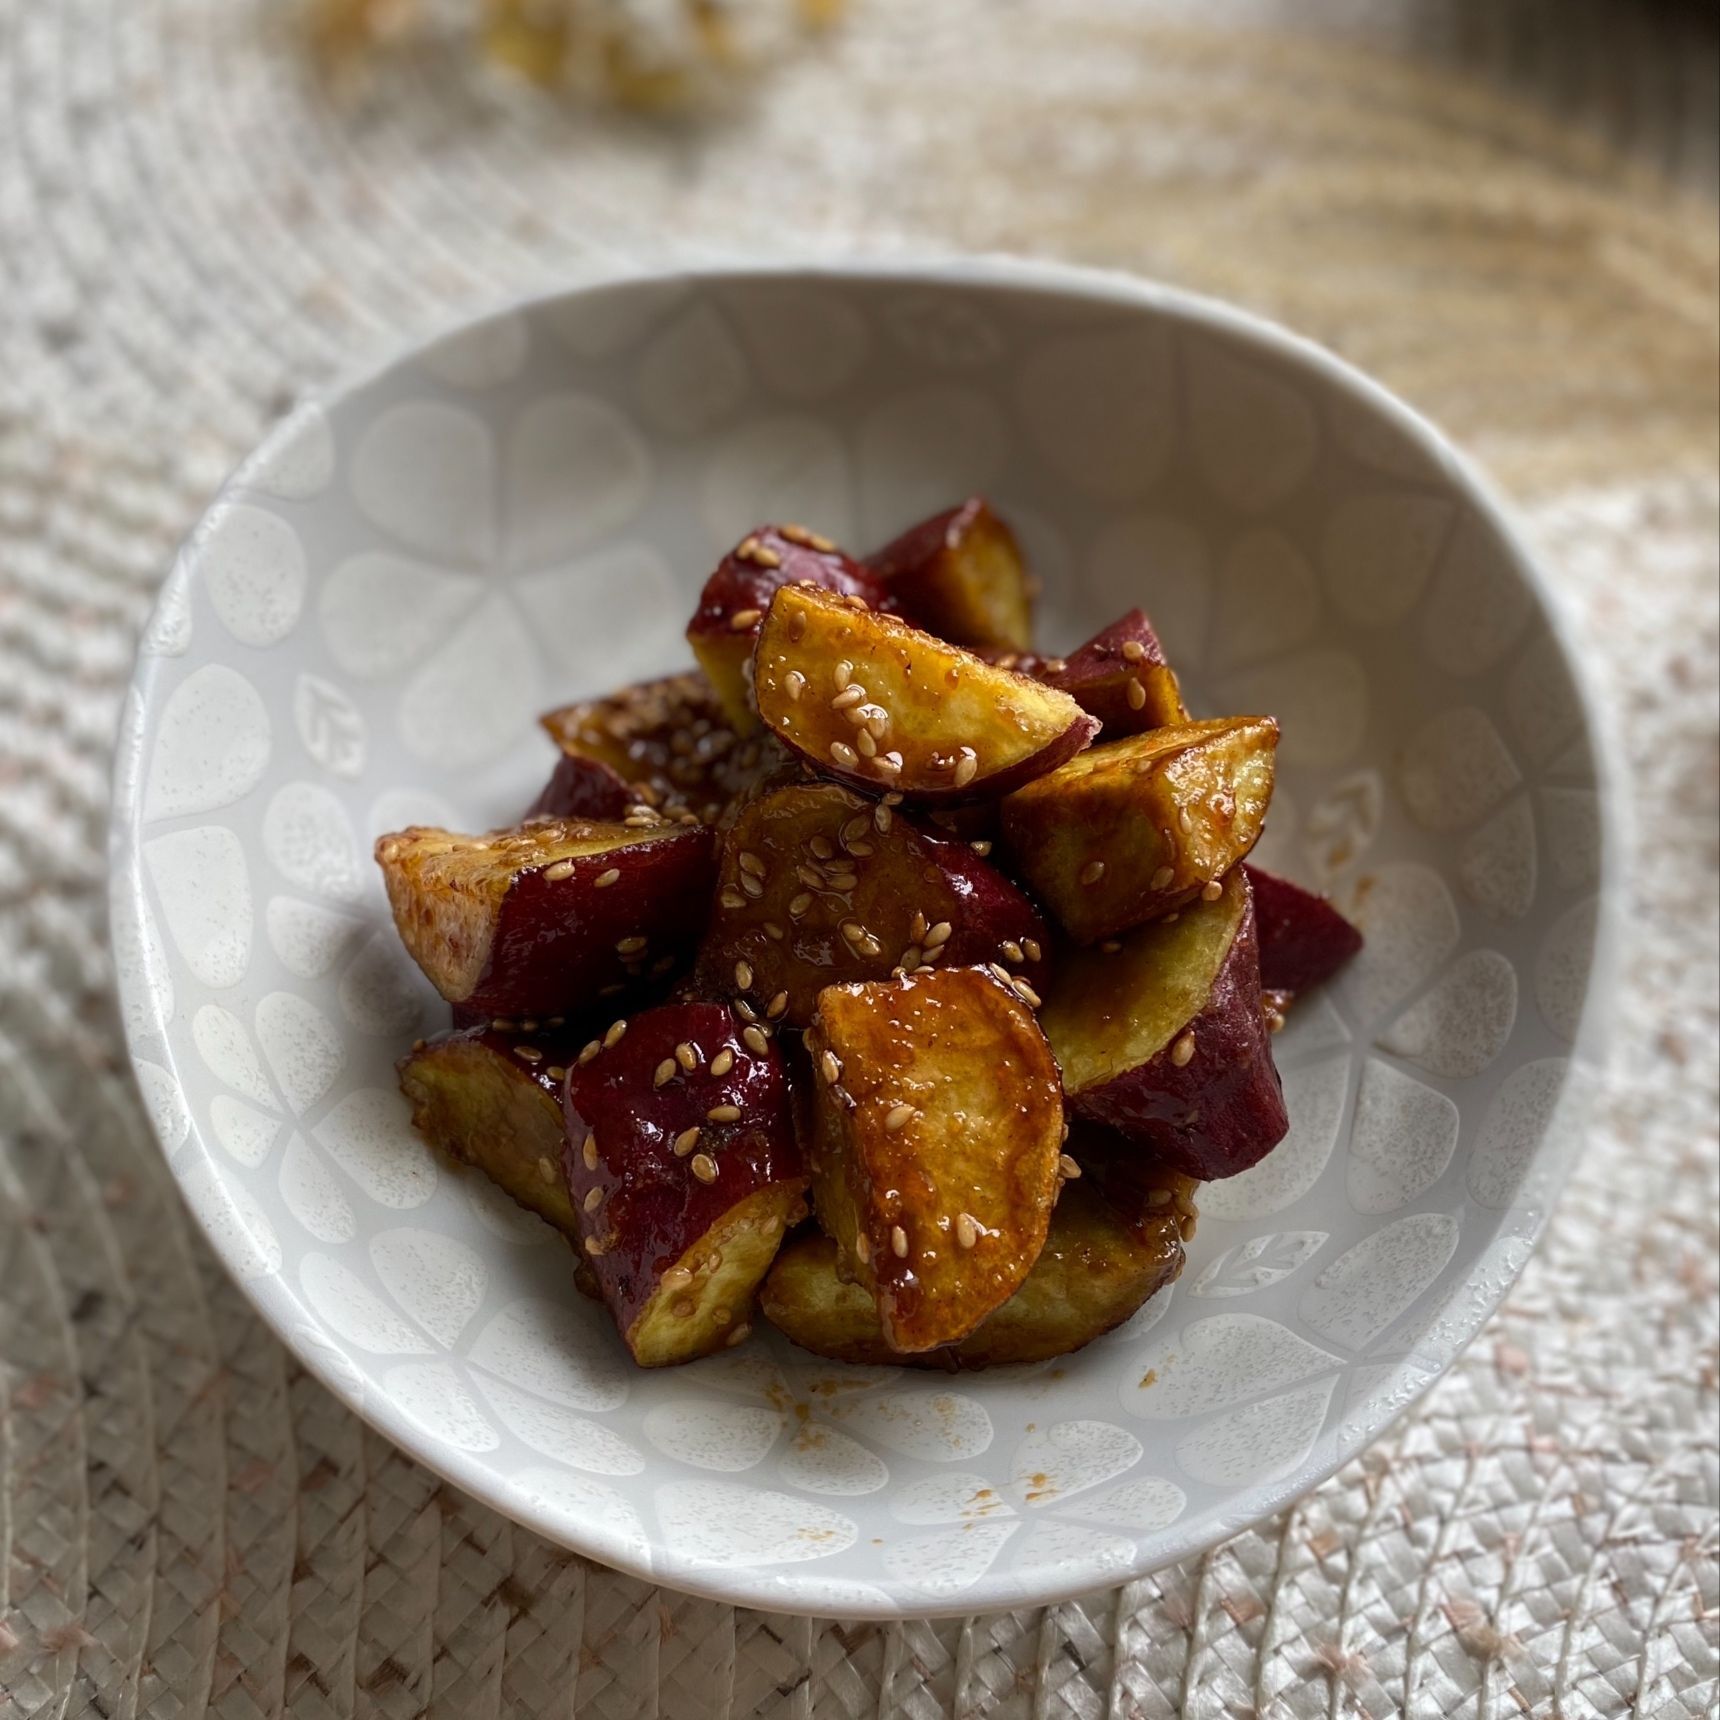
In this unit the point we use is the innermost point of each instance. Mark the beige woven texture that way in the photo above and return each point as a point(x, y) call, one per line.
point(1501, 208)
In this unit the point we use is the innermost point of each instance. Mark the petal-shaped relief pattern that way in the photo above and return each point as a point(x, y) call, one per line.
point(611, 319)
point(426, 473)
point(1055, 1462)
point(555, 1351)
point(1314, 1096)
point(1411, 926)
point(576, 1499)
point(576, 471)
point(1479, 605)
point(1455, 769)
point(476, 694)
point(1342, 824)
point(727, 1524)
point(298, 462)
point(788, 468)
point(952, 334)
point(1259, 1443)
point(483, 356)
point(955, 1496)
point(1516, 1119)
point(693, 374)
point(355, 1312)
point(1403, 1137)
point(1377, 551)
point(1386, 443)
point(228, 1053)
point(941, 1427)
point(247, 1134)
point(308, 938)
point(369, 1135)
point(383, 991)
point(924, 446)
point(1145, 1504)
point(330, 726)
point(211, 746)
point(822, 1459)
point(1101, 409)
point(713, 1435)
point(1542, 703)
point(380, 613)
point(1160, 563)
point(311, 1192)
point(1262, 1260)
point(1436, 1332)
point(1459, 1026)
point(434, 1396)
point(1053, 1552)
point(253, 566)
point(1268, 600)
point(803, 346)
point(747, 1372)
point(440, 1279)
point(1255, 437)
point(1218, 1361)
point(140, 964)
point(1315, 1026)
point(310, 840)
point(304, 1049)
point(165, 1102)
point(944, 1564)
point(204, 888)
point(1499, 863)
point(572, 1439)
point(1573, 820)
point(233, 1220)
point(1359, 1295)
point(1319, 698)
point(601, 619)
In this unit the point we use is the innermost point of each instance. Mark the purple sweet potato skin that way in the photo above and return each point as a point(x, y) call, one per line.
point(1223, 1110)
point(1304, 940)
point(583, 788)
point(739, 583)
point(1097, 676)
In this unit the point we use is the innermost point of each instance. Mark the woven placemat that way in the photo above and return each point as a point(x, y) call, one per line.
point(1502, 211)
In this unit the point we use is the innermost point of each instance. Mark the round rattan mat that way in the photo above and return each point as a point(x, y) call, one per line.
point(1502, 211)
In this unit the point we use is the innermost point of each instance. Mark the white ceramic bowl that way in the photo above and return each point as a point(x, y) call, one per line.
point(359, 634)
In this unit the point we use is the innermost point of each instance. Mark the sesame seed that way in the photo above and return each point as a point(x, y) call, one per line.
point(682, 1307)
point(588, 1152)
point(911, 958)
point(861, 850)
point(528, 1054)
point(764, 556)
point(561, 869)
point(1159, 1197)
point(853, 931)
point(1110, 946)
point(750, 862)
point(1185, 820)
point(677, 1278)
point(555, 1072)
point(745, 1010)
point(738, 1336)
point(813, 880)
point(756, 1039)
point(1026, 993)
point(751, 887)
point(831, 1066)
point(593, 1247)
point(686, 1056)
point(862, 1247)
point(799, 904)
point(1031, 945)
point(1055, 665)
point(890, 763)
point(1133, 650)
point(981, 848)
point(723, 1114)
point(822, 848)
point(999, 970)
point(892, 799)
point(1162, 878)
point(917, 927)
point(1012, 951)
point(967, 767)
point(742, 619)
point(1182, 1053)
point(546, 1170)
point(723, 1062)
point(1068, 1167)
point(665, 1073)
point(604, 879)
point(844, 671)
point(898, 1242)
point(794, 684)
point(686, 1141)
point(774, 932)
point(967, 1229)
point(1136, 694)
point(852, 694)
point(795, 534)
point(863, 740)
point(613, 1037)
point(844, 754)
point(899, 1117)
point(732, 898)
point(882, 818)
point(721, 1316)
point(704, 1167)
point(778, 1005)
point(589, 1051)
point(1093, 871)
point(938, 934)
point(631, 946)
point(593, 1200)
point(743, 975)
point(1211, 890)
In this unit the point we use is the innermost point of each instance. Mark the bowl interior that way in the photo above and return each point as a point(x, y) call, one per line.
point(359, 635)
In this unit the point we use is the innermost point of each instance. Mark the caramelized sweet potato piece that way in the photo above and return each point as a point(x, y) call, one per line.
point(880, 704)
point(1304, 940)
point(1143, 1191)
point(1161, 1038)
point(685, 1172)
point(1093, 1273)
point(736, 596)
point(960, 575)
point(816, 885)
point(548, 917)
point(1137, 827)
point(664, 743)
point(1121, 677)
point(936, 1146)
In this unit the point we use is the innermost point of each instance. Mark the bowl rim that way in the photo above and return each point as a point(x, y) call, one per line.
point(762, 1587)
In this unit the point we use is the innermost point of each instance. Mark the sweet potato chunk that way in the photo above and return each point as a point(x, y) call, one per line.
point(1121, 677)
point(1095, 1270)
point(1137, 827)
point(664, 743)
point(1143, 1191)
point(736, 596)
point(548, 917)
point(816, 885)
point(1161, 1038)
point(936, 1146)
point(960, 575)
point(685, 1172)
point(1304, 940)
point(880, 704)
